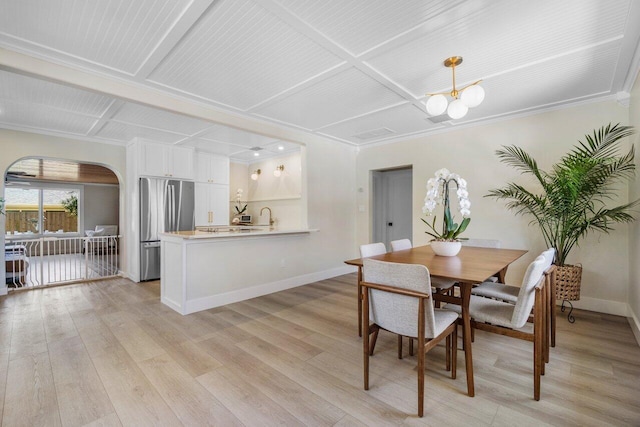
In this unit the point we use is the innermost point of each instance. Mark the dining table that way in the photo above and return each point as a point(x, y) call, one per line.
point(471, 266)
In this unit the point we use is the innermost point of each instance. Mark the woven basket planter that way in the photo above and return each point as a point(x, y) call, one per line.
point(568, 279)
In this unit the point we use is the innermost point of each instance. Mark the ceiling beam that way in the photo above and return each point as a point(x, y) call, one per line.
point(20, 63)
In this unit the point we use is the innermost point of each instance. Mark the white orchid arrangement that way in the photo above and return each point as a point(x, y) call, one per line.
point(240, 209)
point(438, 193)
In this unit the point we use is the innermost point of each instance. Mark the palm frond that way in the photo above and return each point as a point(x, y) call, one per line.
point(577, 189)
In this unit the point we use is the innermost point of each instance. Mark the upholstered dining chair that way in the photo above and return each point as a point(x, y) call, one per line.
point(438, 283)
point(401, 245)
point(368, 250)
point(397, 298)
point(508, 319)
point(509, 293)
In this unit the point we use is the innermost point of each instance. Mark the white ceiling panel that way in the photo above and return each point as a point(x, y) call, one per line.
point(398, 121)
point(359, 25)
point(346, 94)
point(41, 117)
point(213, 146)
point(118, 34)
point(239, 54)
point(152, 117)
point(503, 36)
point(355, 71)
point(124, 133)
point(236, 136)
point(281, 147)
point(28, 90)
point(585, 74)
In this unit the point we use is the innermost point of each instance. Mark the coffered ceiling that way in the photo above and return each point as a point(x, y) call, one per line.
point(355, 71)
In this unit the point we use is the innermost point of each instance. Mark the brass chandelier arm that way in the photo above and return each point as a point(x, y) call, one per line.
point(459, 91)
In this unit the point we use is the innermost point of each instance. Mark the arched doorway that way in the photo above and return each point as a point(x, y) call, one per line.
point(61, 222)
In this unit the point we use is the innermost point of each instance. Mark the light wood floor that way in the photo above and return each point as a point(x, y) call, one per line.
point(109, 353)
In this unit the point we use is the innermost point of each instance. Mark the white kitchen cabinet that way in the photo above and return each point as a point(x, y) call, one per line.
point(212, 168)
point(165, 160)
point(211, 204)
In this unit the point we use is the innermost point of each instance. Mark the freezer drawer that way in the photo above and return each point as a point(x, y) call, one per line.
point(149, 261)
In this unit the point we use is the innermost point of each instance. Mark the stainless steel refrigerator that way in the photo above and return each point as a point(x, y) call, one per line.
point(165, 205)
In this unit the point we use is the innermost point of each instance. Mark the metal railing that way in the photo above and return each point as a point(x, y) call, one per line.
point(56, 260)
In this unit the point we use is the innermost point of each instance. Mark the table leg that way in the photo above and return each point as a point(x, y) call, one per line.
point(359, 301)
point(465, 293)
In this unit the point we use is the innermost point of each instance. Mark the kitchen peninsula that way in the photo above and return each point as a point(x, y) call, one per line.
point(208, 268)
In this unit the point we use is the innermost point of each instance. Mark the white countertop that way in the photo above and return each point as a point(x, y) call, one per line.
point(234, 231)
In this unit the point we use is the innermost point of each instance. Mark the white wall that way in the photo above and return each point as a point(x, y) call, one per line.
point(634, 243)
point(101, 206)
point(470, 152)
point(16, 145)
point(283, 194)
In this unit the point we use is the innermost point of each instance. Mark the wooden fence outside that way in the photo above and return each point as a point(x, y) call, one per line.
point(23, 221)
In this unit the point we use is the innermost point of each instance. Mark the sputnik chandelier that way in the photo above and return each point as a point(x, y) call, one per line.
point(468, 97)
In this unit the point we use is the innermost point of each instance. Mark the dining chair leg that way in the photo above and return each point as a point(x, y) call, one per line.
point(421, 356)
point(552, 307)
point(538, 363)
point(448, 353)
point(454, 351)
point(410, 346)
point(400, 346)
point(374, 331)
point(365, 343)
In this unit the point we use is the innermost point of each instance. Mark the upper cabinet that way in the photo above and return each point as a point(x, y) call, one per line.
point(211, 168)
point(165, 160)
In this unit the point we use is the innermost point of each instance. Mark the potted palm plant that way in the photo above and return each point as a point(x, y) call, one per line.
point(574, 197)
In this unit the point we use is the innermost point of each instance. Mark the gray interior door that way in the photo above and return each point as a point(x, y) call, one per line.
point(392, 205)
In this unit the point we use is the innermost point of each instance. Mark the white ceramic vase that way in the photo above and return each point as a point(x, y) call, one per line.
point(446, 248)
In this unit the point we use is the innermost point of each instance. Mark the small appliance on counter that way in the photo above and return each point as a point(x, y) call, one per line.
point(245, 220)
point(165, 205)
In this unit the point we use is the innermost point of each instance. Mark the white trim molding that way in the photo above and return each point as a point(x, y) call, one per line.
point(205, 303)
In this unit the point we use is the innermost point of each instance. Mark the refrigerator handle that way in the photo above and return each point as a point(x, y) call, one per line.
point(172, 208)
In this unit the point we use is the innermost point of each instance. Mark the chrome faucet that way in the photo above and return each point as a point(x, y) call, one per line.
point(269, 209)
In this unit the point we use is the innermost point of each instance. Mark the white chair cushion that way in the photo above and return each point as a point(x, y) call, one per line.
point(508, 293)
point(443, 318)
point(487, 310)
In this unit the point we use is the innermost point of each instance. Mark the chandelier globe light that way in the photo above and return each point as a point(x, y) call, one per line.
point(469, 96)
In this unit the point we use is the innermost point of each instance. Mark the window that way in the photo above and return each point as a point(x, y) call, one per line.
point(41, 210)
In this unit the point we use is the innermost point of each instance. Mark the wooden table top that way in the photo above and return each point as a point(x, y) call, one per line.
point(472, 264)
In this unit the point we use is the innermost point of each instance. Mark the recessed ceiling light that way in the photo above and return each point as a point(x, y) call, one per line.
point(256, 154)
point(280, 147)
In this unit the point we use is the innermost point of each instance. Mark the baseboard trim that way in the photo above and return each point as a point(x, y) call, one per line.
point(601, 306)
point(213, 301)
point(4, 290)
point(634, 323)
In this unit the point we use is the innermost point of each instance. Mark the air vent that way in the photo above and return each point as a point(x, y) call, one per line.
point(376, 133)
point(438, 119)
point(256, 148)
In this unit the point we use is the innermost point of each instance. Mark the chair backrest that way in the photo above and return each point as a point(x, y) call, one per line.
point(400, 245)
point(548, 255)
point(526, 296)
point(372, 249)
point(393, 312)
point(108, 230)
point(482, 243)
